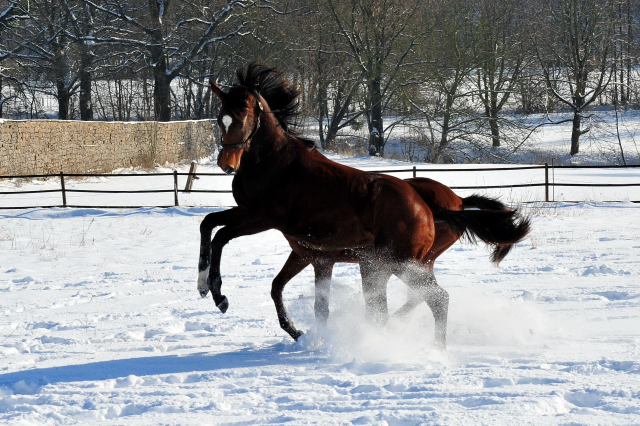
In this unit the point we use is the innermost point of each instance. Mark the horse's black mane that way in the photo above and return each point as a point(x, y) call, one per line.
point(280, 94)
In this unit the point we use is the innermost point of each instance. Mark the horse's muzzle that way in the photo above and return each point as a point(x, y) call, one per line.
point(219, 158)
point(228, 170)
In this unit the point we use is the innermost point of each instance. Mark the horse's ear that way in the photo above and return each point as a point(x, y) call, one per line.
point(216, 89)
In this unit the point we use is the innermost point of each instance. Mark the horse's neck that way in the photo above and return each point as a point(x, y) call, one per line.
point(264, 163)
point(270, 137)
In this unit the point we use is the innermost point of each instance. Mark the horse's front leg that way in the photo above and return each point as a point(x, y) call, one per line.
point(211, 221)
point(246, 225)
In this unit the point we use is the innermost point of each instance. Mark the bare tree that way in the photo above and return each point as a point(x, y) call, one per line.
point(331, 79)
point(441, 96)
point(10, 14)
point(624, 50)
point(169, 34)
point(501, 57)
point(573, 48)
point(380, 36)
point(633, 52)
point(82, 32)
point(44, 52)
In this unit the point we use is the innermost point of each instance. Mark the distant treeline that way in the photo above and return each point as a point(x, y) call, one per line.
point(455, 70)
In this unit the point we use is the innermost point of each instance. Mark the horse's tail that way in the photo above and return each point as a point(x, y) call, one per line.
point(483, 203)
point(498, 228)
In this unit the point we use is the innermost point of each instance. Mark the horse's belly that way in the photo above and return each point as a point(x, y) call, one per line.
point(328, 237)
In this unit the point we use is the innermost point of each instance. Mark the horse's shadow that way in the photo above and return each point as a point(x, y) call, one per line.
point(201, 362)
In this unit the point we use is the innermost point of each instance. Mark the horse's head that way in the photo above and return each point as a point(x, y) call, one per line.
point(239, 121)
point(262, 99)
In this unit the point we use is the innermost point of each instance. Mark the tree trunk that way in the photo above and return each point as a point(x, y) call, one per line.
point(491, 112)
point(493, 120)
point(443, 139)
point(576, 132)
point(334, 126)
point(161, 84)
point(322, 113)
point(495, 131)
point(376, 144)
point(63, 100)
point(340, 109)
point(446, 123)
point(1, 103)
point(579, 104)
point(86, 108)
point(202, 100)
point(161, 95)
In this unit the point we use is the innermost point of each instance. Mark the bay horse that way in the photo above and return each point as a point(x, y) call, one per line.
point(438, 197)
point(282, 182)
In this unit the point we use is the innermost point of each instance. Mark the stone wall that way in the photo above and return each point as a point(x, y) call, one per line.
point(50, 146)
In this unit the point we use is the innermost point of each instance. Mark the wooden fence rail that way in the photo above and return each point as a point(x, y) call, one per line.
point(192, 175)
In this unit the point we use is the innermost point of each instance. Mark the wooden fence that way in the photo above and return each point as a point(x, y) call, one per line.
point(546, 183)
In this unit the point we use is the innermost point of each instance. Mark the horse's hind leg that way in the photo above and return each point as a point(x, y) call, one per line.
point(414, 298)
point(422, 281)
point(292, 267)
point(323, 270)
point(438, 300)
point(374, 288)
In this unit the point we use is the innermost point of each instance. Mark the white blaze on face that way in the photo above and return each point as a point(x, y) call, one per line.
point(226, 121)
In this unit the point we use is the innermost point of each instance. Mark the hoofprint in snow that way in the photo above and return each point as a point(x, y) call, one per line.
point(102, 323)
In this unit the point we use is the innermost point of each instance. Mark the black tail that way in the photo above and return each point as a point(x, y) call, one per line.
point(499, 228)
point(483, 203)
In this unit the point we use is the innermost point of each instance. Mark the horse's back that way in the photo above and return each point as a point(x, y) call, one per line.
point(438, 196)
point(341, 207)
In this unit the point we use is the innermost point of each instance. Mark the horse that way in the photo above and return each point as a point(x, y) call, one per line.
point(438, 197)
point(282, 182)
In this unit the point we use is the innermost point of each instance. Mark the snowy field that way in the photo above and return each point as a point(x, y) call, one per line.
point(101, 323)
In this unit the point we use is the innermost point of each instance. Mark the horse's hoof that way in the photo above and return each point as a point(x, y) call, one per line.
point(204, 293)
point(224, 305)
point(296, 334)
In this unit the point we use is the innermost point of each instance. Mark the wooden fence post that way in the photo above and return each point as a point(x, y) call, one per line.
point(192, 176)
point(64, 193)
point(546, 182)
point(175, 187)
point(414, 171)
point(553, 182)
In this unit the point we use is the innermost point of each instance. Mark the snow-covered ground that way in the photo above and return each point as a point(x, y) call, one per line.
point(100, 322)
